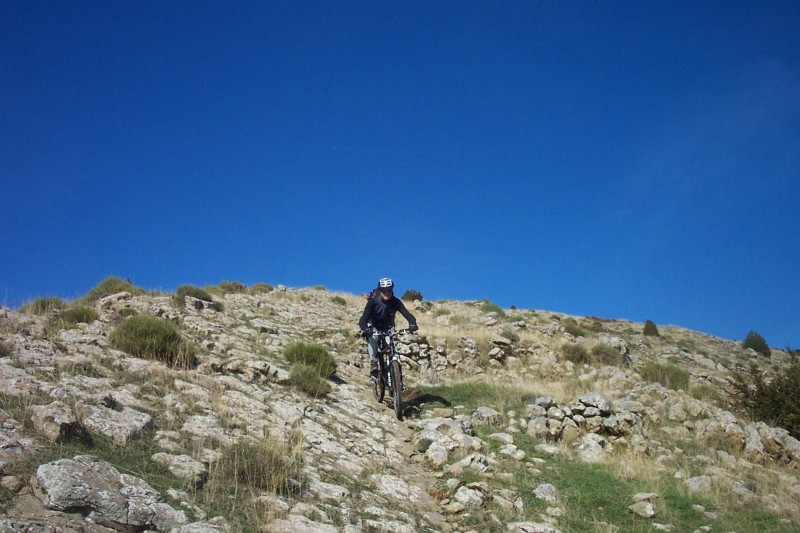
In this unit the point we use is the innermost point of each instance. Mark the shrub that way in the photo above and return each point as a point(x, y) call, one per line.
point(338, 300)
point(127, 311)
point(669, 375)
point(315, 356)
point(78, 314)
point(411, 295)
point(260, 288)
point(575, 353)
point(510, 334)
point(232, 287)
point(490, 307)
point(307, 379)
point(261, 465)
point(5, 350)
point(650, 329)
point(756, 342)
point(111, 285)
point(190, 290)
point(606, 354)
point(151, 337)
point(571, 326)
point(776, 402)
point(43, 306)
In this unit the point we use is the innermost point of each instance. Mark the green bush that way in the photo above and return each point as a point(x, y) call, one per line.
point(262, 465)
point(5, 350)
point(338, 300)
point(571, 326)
point(111, 285)
point(43, 306)
point(78, 314)
point(776, 402)
point(127, 311)
point(650, 329)
point(490, 307)
point(411, 295)
point(510, 334)
point(232, 287)
point(191, 290)
point(260, 288)
point(315, 356)
point(575, 353)
point(756, 342)
point(307, 379)
point(669, 375)
point(606, 354)
point(150, 337)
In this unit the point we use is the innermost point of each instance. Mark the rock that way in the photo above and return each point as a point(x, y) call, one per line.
point(119, 426)
point(546, 492)
point(183, 467)
point(469, 498)
point(55, 421)
point(294, 523)
point(531, 527)
point(593, 448)
point(109, 497)
point(597, 400)
point(699, 484)
point(644, 509)
point(487, 416)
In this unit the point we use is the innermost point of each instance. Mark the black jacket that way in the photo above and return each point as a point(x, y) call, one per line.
point(381, 313)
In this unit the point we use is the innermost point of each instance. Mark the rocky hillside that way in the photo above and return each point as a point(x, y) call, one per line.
point(514, 420)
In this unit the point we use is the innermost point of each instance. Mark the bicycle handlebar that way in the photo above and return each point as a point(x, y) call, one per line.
point(377, 332)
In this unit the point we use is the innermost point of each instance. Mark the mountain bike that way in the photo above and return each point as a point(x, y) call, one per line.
point(391, 372)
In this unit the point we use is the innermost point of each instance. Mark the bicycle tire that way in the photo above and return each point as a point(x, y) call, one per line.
point(378, 387)
point(397, 388)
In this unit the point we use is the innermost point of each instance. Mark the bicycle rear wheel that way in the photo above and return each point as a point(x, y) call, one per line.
point(397, 388)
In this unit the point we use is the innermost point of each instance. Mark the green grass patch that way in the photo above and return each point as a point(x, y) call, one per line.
point(338, 300)
point(572, 327)
point(472, 395)
point(308, 380)
point(111, 285)
point(150, 337)
point(669, 375)
point(43, 306)
point(312, 355)
point(491, 307)
point(191, 290)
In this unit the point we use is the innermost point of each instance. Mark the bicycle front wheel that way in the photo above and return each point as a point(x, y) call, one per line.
point(378, 386)
point(397, 388)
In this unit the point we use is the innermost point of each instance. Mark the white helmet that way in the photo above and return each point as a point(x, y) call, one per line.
point(386, 283)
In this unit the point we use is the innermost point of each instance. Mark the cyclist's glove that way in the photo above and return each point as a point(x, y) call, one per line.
point(365, 333)
point(412, 327)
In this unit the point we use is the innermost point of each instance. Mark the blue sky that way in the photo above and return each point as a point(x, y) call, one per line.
point(620, 159)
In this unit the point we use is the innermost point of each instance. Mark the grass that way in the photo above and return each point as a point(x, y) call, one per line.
point(472, 395)
point(237, 481)
point(191, 290)
point(43, 306)
point(312, 355)
point(595, 497)
point(491, 307)
point(111, 285)
point(307, 379)
point(669, 375)
point(71, 317)
point(150, 337)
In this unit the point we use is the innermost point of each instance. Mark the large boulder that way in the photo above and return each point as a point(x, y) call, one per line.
point(108, 497)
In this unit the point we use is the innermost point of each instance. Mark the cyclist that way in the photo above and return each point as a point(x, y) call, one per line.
point(379, 313)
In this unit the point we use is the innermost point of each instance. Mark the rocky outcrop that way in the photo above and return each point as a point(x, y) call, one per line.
point(361, 469)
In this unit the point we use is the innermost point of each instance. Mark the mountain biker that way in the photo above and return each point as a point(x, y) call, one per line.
point(379, 313)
